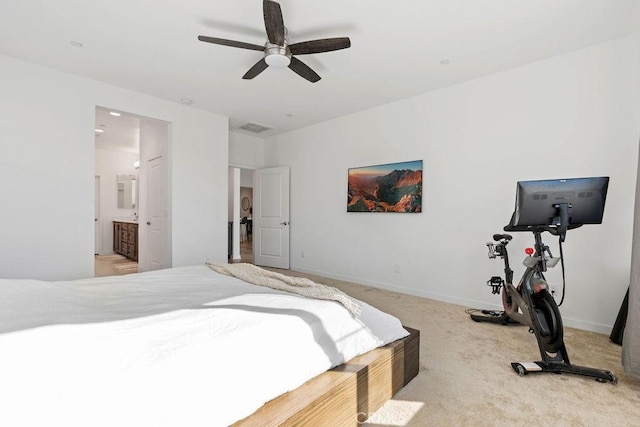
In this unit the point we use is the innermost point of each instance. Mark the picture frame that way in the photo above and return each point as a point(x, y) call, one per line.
point(390, 187)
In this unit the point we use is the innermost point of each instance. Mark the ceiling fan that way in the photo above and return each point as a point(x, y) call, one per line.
point(277, 50)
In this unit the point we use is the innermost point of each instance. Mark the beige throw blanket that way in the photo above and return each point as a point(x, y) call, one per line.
point(297, 285)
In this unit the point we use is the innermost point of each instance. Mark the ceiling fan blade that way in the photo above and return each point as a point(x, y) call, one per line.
point(258, 67)
point(273, 22)
point(319, 46)
point(303, 70)
point(231, 43)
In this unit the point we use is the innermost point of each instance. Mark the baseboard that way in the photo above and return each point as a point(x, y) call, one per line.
point(395, 288)
point(464, 302)
point(587, 326)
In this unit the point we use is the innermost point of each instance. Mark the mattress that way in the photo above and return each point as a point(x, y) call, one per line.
point(182, 346)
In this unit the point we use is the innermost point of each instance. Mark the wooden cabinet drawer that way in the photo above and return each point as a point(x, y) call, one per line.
point(125, 239)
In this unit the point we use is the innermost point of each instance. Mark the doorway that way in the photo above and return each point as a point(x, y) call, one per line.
point(117, 153)
point(246, 216)
point(124, 144)
point(241, 213)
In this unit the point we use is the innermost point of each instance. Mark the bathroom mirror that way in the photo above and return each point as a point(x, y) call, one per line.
point(126, 191)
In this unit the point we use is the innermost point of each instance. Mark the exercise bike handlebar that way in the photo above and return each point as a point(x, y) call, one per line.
point(557, 229)
point(492, 250)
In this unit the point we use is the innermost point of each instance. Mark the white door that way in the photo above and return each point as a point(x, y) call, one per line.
point(155, 214)
point(96, 218)
point(271, 217)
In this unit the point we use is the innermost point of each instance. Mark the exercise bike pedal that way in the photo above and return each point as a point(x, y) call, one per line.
point(499, 317)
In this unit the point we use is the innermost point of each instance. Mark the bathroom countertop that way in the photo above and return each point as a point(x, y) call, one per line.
point(129, 220)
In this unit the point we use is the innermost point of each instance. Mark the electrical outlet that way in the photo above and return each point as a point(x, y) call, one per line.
point(302, 254)
point(396, 268)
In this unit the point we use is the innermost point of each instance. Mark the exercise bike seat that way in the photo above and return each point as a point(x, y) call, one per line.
point(498, 237)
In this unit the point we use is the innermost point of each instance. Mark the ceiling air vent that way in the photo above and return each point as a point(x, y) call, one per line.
point(255, 127)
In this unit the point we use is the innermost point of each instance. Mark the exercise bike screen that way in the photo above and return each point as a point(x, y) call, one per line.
point(537, 201)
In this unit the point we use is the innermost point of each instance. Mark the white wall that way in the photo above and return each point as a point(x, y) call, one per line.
point(569, 116)
point(245, 151)
point(47, 149)
point(230, 194)
point(246, 178)
point(108, 165)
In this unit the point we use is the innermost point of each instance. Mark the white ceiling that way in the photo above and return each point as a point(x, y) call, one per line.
point(151, 46)
point(119, 133)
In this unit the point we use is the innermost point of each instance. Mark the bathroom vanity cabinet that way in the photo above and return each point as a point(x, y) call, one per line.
point(125, 239)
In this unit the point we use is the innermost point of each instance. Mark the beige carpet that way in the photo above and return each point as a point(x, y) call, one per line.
point(466, 378)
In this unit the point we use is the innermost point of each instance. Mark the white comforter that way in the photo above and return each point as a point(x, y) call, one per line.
point(179, 347)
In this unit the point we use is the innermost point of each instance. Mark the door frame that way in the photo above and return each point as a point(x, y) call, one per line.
point(155, 140)
point(235, 186)
point(97, 219)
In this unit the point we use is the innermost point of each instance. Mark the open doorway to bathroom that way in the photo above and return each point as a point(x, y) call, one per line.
point(117, 160)
point(132, 158)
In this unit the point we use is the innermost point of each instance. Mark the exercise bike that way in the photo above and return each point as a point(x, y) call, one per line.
point(530, 302)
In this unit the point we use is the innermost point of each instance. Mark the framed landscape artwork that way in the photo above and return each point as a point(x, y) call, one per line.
point(394, 187)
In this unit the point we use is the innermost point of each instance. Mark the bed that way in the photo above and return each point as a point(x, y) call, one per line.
point(190, 346)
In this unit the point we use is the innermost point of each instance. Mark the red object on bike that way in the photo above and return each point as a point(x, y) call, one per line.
point(528, 251)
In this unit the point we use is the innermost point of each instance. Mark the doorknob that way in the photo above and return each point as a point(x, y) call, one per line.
point(284, 223)
point(148, 222)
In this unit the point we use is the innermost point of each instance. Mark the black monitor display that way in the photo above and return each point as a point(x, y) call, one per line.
point(538, 203)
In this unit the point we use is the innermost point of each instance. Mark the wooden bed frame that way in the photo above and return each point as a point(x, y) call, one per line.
point(346, 394)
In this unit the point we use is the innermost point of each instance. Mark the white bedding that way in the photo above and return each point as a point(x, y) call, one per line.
point(179, 347)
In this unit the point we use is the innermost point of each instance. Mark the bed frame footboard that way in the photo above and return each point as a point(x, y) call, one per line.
point(346, 394)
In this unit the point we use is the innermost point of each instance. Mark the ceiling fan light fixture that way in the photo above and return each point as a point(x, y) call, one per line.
point(277, 56)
